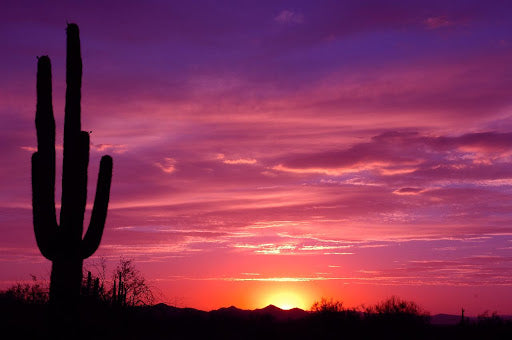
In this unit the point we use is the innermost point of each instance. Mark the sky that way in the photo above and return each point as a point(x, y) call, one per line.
point(279, 151)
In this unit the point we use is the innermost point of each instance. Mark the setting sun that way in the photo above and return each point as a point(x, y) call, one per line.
point(287, 300)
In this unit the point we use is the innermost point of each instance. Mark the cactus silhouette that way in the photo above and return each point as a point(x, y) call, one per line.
point(63, 244)
point(119, 296)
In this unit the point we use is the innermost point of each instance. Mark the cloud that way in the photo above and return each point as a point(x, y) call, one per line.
point(408, 191)
point(437, 22)
point(167, 165)
point(358, 157)
point(236, 161)
point(240, 161)
point(411, 154)
point(289, 17)
point(280, 279)
point(29, 148)
point(115, 148)
point(482, 142)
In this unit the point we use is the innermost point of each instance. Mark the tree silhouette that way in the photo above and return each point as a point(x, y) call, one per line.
point(35, 292)
point(132, 287)
point(327, 306)
point(63, 244)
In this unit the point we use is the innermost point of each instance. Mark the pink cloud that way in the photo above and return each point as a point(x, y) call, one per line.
point(408, 191)
point(409, 153)
point(115, 148)
point(167, 165)
point(236, 161)
point(289, 17)
point(437, 22)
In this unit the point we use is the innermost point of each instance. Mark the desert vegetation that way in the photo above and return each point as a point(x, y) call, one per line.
point(24, 311)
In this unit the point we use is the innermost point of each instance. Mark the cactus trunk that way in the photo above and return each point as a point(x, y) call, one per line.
point(63, 244)
point(65, 283)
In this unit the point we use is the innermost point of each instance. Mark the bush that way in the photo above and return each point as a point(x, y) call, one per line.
point(327, 306)
point(28, 293)
point(396, 306)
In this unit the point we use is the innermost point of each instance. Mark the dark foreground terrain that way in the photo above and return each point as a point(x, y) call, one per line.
point(34, 321)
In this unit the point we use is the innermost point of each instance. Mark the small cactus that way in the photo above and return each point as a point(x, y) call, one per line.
point(96, 288)
point(63, 244)
point(119, 294)
point(114, 293)
point(88, 285)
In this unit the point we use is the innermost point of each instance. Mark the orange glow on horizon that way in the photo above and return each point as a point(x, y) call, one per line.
point(287, 299)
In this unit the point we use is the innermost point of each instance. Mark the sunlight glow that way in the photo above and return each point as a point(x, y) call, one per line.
point(286, 300)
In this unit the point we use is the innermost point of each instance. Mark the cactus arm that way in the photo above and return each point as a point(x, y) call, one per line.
point(71, 215)
point(45, 229)
point(45, 123)
point(93, 235)
point(45, 126)
point(43, 164)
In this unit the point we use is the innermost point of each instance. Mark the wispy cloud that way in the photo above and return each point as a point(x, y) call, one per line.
point(289, 17)
point(236, 161)
point(167, 165)
point(437, 22)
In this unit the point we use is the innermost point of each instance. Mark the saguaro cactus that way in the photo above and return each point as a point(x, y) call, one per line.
point(63, 244)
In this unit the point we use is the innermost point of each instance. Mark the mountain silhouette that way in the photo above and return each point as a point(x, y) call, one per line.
point(162, 310)
point(282, 314)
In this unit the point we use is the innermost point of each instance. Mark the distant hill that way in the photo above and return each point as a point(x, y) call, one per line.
point(444, 319)
point(162, 310)
point(449, 320)
point(281, 314)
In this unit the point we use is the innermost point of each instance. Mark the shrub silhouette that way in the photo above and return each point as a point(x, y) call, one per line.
point(396, 306)
point(404, 319)
point(327, 306)
point(132, 287)
point(92, 291)
point(63, 244)
point(35, 292)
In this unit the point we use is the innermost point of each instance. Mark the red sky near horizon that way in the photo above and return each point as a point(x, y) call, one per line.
point(280, 151)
